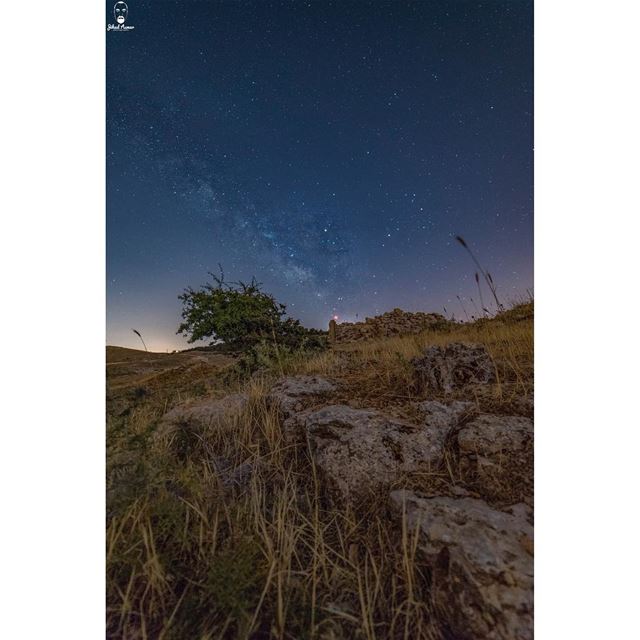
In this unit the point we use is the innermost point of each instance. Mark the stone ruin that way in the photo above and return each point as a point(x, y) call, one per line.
point(391, 323)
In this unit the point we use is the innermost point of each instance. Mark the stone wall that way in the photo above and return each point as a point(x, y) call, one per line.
point(392, 323)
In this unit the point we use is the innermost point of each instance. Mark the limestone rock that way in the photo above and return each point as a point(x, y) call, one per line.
point(201, 413)
point(493, 436)
point(358, 450)
point(499, 451)
point(291, 393)
point(444, 416)
point(454, 366)
point(481, 561)
point(294, 396)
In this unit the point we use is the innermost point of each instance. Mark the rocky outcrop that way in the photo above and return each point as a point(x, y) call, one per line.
point(454, 366)
point(392, 323)
point(498, 452)
point(357, 451)
point(481, 562)
point(478, 558)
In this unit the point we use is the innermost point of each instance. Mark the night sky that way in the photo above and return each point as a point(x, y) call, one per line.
point(331, 149)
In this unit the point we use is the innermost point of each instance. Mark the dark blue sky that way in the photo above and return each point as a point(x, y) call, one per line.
point(331, 149)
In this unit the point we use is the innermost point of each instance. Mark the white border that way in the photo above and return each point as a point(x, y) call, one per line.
point(53, 320)
point(52, 265)
point(586, 241)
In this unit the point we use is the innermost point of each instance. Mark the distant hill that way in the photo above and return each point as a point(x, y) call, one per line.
point(123, 354)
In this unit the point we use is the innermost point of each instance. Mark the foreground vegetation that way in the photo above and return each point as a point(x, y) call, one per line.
point(188, 558)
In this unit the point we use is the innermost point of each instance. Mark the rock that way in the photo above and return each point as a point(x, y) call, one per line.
point(357, 450)
point(498, 450)
point(444, 369)
point(293, 395)
point(495, 436)
point(481, 561)
point(201, 413)
point(459, 491)
point(437, 414)
point(230, 477)
point(524, 405)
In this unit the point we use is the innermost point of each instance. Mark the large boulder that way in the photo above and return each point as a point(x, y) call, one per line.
point(481, 562)
point(454, 366)
point(498, 452)
point(357, 451)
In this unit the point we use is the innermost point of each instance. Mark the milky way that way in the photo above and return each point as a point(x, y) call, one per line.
point(330, 149)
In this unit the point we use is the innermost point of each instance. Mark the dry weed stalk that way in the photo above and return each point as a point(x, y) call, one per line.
point(485, 274)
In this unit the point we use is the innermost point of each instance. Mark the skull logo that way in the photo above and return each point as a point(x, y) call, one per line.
point(120, 11)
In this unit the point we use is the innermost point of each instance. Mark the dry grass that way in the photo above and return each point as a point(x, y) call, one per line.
point(189, 558)
point(379, 372)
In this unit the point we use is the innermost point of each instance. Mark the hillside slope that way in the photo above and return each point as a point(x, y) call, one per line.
point(380, 489)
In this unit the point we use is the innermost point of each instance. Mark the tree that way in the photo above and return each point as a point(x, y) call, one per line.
point(240, 314)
